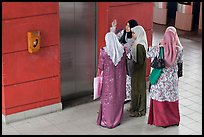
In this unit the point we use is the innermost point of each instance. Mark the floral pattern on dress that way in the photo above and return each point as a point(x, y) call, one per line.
point(166, 88)
point(128, 88)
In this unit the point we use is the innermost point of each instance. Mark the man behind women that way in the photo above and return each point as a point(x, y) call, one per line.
point(164, 97)
point(113, 64)
point(138, 77)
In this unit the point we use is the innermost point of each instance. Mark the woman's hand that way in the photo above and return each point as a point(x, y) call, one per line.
point(114, 23)
point(126, 50)
point(99, 72)
point(161, 43)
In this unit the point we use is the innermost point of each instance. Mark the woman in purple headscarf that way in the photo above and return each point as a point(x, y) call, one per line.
point(164, 97)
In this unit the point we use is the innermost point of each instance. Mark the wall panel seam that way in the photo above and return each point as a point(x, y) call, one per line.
point(31, 103)
point(29, 81)
point(5, 53)
point(8, 19)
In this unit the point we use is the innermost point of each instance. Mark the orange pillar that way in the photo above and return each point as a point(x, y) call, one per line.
point(30, 82)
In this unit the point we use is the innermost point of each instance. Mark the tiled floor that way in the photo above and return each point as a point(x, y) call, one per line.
point(81, 118)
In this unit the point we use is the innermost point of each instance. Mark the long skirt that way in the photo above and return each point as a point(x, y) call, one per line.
point(163, 113)
point(109, 118)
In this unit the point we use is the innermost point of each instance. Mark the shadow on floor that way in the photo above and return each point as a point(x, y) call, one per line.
point(77, 101)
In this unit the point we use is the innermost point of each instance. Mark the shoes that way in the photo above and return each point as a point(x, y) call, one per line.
point(133, 114)
point(136, 114)
point(109, 127)
point(126, 101)
point(176, 125)
point(141, 113)
point(170, 125)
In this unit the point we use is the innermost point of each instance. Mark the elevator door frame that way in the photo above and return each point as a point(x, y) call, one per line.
point(89, 91)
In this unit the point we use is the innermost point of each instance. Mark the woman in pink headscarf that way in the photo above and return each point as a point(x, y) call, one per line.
point(164, 97)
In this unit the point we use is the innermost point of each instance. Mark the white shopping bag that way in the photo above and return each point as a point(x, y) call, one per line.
point(98, 81)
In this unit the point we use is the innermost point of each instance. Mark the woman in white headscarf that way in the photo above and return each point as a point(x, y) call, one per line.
point(138, 75)
point(112, 62)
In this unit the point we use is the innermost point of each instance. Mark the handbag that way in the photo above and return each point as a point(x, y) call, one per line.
point(180, 69)
point(154, 76)
point(130, 66)
point(158, 62)
point(98, 81)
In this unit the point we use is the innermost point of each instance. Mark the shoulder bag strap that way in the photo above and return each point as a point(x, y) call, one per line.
point(161, 52)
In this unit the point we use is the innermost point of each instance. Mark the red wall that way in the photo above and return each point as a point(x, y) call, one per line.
point(103, 26)
point(30, 80)
point(33, 80)
point(122, 12)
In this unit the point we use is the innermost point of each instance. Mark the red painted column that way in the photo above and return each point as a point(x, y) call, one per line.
point(30, 80)
point(124, 11)
point(103, 26)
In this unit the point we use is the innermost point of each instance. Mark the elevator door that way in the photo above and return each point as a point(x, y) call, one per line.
point(77, 48)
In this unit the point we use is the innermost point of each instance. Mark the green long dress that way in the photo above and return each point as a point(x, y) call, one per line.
point(138, 83)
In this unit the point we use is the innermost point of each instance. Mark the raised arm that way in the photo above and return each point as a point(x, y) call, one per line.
point(119, 33)
point(113, 27)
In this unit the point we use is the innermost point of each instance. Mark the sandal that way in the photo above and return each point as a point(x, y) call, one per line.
point(129, 109)
point(133, 114)
point(141, 114)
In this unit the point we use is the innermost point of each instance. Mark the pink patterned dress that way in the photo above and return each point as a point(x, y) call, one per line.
point(164, 96)
point(113, 91)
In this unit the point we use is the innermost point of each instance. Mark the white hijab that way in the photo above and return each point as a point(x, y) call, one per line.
point(141, 39)
point(113, 48)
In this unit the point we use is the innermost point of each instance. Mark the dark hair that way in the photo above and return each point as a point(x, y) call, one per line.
point(132, 24)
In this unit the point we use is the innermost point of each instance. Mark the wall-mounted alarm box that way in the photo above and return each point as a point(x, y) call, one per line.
point(33, 41)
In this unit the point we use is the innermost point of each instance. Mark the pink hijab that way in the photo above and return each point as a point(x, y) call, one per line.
point(173, 29)
point(170, 42)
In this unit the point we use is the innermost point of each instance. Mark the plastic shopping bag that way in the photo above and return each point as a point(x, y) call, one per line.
point(98, 81)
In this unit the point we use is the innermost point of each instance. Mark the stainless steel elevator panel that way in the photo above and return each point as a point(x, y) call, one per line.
point(77, 48)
